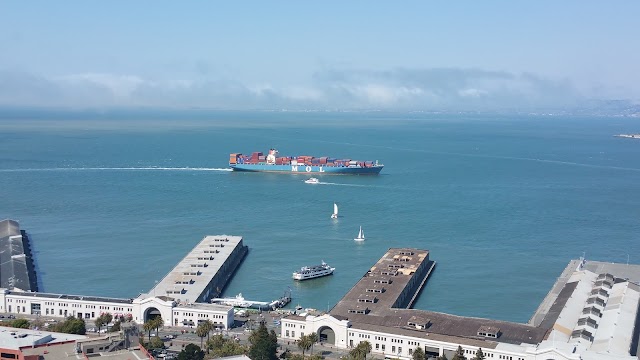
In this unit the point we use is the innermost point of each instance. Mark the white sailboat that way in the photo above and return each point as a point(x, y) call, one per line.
point(360, 235)
point(335, 211)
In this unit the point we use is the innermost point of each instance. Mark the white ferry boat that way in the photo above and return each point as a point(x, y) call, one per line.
point(310, 272)
point(312, 181)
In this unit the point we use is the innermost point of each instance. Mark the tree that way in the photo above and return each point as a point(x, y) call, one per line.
point(191, 352)
point(479, 355)
point(361, 350)
point(20, 323)
point(158, 323)
point(201, 332)
point(314, 339)
point(222, 347)
point(418, 354)
point(304, 343)
point(103, 319)
point(209, 326)
point(155, 343)
point(263, 345)
point(117, 326)
point(443, 357)
point(71, 325)
point(148, 326)
point(366, 348)
point(459, 355)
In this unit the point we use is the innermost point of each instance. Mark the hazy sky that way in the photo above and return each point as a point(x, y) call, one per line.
point(318, 54)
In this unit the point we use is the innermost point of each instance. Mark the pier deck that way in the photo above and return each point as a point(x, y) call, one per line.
point(16, 264)
point(204, 272)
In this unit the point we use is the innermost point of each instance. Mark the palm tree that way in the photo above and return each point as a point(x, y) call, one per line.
point(304, 343)
point(209, 326)
point(202, 331)
point(148, 326)
point(314, 339)
point(356, 353)
point(158, 323)
point(366, 348)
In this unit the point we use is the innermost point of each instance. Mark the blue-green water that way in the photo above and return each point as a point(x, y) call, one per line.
point(503, 203)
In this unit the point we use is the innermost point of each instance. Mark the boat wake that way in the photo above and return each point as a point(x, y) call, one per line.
point(338, 184)
point(150, 168)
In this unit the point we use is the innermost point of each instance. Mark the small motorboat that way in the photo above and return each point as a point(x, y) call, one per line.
point(312, 181)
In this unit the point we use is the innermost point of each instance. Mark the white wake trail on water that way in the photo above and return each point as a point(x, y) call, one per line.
point(351, 185)
point(338, 184)
point(149, 168)
point(486, 156)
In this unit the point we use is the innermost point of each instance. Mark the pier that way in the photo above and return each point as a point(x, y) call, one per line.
point(17, 270)
point(240, 301)
point(393, 282)
point(204, 272)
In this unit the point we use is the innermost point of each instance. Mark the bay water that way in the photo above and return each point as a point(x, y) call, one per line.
point(502, 202)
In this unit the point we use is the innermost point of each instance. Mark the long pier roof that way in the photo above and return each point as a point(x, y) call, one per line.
point(190, 277)
point(390, 275)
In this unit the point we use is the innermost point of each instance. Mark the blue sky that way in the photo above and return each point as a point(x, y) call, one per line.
point(320, 55)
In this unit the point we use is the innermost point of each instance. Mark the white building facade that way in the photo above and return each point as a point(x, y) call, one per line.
point(598, 321)
point(140, 309)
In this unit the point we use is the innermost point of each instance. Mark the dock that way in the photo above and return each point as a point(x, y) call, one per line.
point(240, 301)
point(204, 272)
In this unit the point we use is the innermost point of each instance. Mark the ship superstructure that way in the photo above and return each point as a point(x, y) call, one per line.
point(310, 272)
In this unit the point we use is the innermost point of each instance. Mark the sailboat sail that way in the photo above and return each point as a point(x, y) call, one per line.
point(360, 235)
point(335, 211)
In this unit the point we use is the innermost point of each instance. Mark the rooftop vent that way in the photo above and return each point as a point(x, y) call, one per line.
point(606, 276)
point(600, 291)
point(359, 311)
point(382, 281)
point(419, 322)
point(592, 310)
point(604, 283)
point(489, 331)
point(582, 334)
point(596, 301)
point(587, 321)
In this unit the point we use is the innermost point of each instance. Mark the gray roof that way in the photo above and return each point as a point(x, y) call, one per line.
point(73, 297)
point(16, 264)
point(559, 304)
point(401, 266)
point(187, 281)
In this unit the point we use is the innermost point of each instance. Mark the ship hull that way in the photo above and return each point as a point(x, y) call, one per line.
point(302, 277)
point(308, 169)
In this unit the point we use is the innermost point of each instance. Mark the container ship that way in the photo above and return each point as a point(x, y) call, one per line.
point(258, 162)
